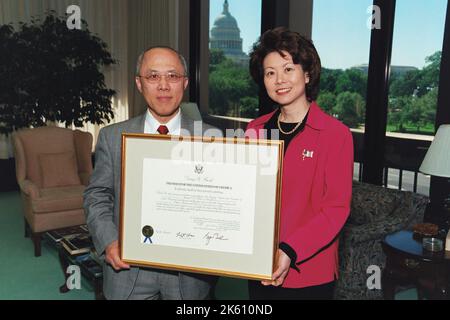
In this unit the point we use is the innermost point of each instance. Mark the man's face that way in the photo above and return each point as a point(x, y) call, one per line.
point(164, 95)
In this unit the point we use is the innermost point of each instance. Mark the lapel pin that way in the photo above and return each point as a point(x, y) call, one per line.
point(307, 154)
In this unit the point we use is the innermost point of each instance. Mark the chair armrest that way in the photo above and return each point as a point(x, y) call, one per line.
point(378, 230)
point(410, 210)
point(29, 188)
point(84, 177)
point(369, 232)
point(419, 205)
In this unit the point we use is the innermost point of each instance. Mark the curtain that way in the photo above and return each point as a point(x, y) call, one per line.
point(108, 19)
point(151, 23)
point(128, 27)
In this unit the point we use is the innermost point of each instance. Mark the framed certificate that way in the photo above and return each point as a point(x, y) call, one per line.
point(206, 205)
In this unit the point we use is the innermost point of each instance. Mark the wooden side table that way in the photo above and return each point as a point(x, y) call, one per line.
point(65, 259)
point(408, 263)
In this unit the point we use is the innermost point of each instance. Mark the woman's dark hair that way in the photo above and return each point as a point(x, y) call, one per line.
point(300, 48)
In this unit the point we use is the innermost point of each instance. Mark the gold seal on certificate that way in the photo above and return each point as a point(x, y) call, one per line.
point(147, 232)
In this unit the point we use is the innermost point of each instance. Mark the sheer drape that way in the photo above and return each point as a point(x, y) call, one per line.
point(128, 27)
point(150, 23)
point(107, 18)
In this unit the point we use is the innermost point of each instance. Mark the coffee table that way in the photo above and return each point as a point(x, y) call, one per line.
point(91, 271)
point(95, 278)
point(408, 263)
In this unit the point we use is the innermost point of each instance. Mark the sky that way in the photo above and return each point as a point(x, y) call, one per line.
point(340, 30)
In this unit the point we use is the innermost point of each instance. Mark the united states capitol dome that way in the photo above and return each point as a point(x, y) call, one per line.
point(226, 20)
point(226, 36)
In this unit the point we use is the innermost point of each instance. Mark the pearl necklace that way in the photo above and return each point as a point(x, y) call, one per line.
point(287, 132)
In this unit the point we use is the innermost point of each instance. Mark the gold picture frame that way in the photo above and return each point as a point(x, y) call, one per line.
point(200, 204)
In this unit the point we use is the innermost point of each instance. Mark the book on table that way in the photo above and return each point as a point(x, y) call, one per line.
point(69, 232)
point(78, 244)
point(92, 267)
point(95, 256)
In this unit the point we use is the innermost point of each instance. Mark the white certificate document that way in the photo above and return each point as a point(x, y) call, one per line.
point(199, 205)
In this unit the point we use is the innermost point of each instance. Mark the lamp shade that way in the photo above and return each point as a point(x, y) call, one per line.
point(437, 159)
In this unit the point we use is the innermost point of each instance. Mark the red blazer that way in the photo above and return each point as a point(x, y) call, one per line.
point(315, 195)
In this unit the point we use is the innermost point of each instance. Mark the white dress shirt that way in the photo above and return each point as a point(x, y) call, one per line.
point(152, 125)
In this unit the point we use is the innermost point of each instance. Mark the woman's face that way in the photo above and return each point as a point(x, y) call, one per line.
point(284, 81)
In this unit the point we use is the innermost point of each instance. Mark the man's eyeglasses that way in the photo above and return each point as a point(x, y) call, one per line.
point(155, 77)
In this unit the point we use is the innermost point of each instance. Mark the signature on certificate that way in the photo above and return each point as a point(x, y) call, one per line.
point(213, 236)
point(185, 235)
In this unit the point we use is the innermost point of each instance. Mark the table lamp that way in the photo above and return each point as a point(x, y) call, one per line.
point(437, 161)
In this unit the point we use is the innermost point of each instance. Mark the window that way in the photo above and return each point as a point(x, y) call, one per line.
point(234, 28)
point(342, 39)
point(416, 59)
point(413, 86)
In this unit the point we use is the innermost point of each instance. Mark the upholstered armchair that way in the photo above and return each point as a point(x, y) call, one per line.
point(53, 166)
point(375, 212)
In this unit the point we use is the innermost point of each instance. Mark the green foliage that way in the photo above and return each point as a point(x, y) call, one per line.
point(406, 85)
point(327, 101)
point(342, 94)
point(413, 95)
point(417, 82)
point(428, 103)
point(249, 107)
point(430, 73)
point(338, 81)
point(417, 112)
point(352, 80)
point(422, 110)
point(350, 108)
point(232, 92)
point(53, 74)
point(216, 56)
point(397, 108)
point(329, 79)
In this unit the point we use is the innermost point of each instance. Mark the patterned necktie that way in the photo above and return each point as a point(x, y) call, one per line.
point(163, 130)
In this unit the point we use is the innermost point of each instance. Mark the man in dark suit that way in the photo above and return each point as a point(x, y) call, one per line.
point(161, 79)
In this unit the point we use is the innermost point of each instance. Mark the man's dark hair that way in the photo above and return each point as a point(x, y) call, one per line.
point(299, 47)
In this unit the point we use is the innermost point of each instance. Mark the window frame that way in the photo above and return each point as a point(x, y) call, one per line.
point(276, 13)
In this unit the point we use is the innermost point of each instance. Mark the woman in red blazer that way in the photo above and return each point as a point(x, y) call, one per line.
point(317, 168)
